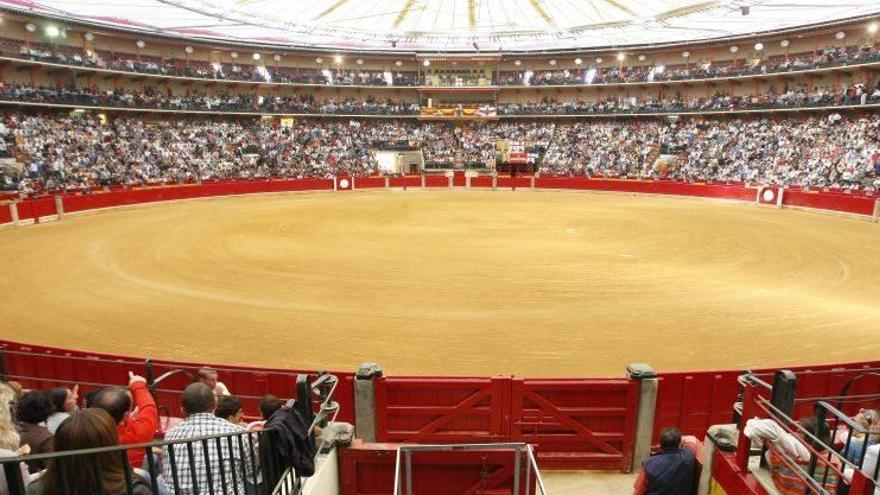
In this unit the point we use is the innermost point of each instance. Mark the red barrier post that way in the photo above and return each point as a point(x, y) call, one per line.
point(744, 443)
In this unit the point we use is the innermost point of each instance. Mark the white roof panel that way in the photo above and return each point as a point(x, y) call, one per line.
point(431, 25)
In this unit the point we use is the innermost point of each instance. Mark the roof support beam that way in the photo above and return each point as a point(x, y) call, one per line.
point(330, 9)
point(407, 7)
point(536, 4)
point(620, 6)
point(690, 9)
point(472, 12)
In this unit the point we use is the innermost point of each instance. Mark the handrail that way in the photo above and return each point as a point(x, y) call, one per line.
point(519, 449)
point(824, 458)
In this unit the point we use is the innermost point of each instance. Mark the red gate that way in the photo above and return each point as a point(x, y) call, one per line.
point(442, 410)
point(574, 424)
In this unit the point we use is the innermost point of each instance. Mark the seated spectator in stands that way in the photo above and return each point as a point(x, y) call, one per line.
point(10, 442)
point(229, 408)
point(63, 402)
point(209, 377)
point(33, 410)
point(869, 421)
point(268, 405)
point(869, 467)
point(673, 469)
point(199, 403)
point(87, 429)
point(781, 444)
point(89, 397)
point(17, 390)
point(133, 427)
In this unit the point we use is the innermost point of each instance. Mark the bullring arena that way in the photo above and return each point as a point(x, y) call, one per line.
point(531, 283)
point(425, 247)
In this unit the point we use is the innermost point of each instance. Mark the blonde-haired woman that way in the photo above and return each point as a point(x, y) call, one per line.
point(9, 440)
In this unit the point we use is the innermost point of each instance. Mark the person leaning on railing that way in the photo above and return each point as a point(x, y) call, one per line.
point(138, 426)
point(77, 474)
point(785, 448)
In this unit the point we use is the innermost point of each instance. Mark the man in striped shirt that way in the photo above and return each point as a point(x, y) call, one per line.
point(229, 460)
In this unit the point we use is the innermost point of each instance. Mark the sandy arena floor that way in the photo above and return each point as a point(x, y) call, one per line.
point(462, 282)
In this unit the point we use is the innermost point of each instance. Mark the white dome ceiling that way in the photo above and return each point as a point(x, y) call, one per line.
point(429, 25)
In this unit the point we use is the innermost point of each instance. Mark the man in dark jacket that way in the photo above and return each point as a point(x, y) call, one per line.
point(672, 470)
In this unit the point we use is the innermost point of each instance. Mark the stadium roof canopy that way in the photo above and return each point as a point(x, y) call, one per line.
point(454, 25)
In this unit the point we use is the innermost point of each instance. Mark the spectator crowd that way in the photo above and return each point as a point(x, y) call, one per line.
point(829, 56)
point(34, 422)
point(69, 152)
point(176, 64)
point(793, 96)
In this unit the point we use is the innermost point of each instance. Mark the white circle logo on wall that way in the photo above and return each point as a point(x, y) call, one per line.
point(343, 183)
point(768, 195)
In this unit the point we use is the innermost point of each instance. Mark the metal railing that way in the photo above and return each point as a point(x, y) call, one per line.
point(236, 463)
point(522, 478)
point(212, 464)
point(826, 462)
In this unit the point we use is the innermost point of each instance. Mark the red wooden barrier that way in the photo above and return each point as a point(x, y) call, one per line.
point(693, 401)
point(835, 200)
point(481, 181)
point(436, 181)
point(442, 410)
point(368, 469)
point(369, 182)
point(577, 424)
point(75, 203)
point(5, 215)
point(409, 181)
point(851, 203)
point(44, 367)
point(574, 423)
point(510, 182)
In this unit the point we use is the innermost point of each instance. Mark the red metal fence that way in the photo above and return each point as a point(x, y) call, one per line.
point(572, 423)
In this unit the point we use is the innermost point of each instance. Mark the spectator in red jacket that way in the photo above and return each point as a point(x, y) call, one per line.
point(134, 427)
